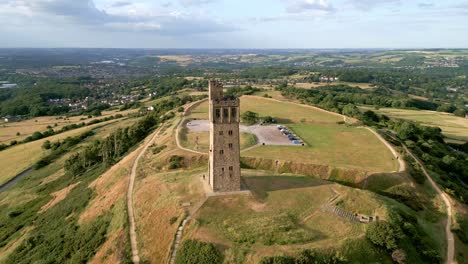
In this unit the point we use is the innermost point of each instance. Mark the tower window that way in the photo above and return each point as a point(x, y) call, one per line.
point(230, 145)
point(222, 170)
point(221, 152)
point(231, 168)
point(218, 113)
point(225, 112)
point(233, 112)
point(230, 132)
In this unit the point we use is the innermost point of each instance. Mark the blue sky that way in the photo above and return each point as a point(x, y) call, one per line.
point(234, 23)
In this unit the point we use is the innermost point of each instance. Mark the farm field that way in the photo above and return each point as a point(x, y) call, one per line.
point(8, 131)
point(16, 159)
point(452, 126)
point(328, 143)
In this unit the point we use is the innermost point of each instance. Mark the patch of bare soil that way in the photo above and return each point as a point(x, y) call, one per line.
point(58, 196)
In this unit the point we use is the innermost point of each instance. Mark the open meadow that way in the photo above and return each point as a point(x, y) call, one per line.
point(18, 158)
point(327, 142)
point(452, 126)
point(286, 214)
point(20, 130)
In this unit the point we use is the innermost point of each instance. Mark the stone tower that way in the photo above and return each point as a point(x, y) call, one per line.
point(224, 166)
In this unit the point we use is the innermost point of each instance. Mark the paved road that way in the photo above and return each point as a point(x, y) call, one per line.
point(448, 205)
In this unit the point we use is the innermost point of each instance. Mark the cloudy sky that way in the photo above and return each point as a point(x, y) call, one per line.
point(234, 23)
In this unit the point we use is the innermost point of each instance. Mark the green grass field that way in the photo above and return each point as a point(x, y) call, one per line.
point(452, 126)
point(339, 146)
point(328, 143)
point(268, 224)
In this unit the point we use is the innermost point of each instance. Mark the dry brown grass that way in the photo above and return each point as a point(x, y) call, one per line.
point(158, 197)
point(58, 196)
point(19, 158)
point(28, 127)
point(109, 187)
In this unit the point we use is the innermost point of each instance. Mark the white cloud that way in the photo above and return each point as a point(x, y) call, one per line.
point(195, 2)
point(119, 16)
point(301, 6)
point(367, 5)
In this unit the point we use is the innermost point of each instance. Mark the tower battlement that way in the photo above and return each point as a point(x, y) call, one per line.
point(224, 164)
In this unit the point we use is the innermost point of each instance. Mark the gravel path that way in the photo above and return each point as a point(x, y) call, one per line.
point(448, 205)
point(131, 213)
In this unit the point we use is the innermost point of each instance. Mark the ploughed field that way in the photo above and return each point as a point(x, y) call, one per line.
point(327, 140)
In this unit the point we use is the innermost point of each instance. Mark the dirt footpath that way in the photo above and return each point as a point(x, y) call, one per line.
point(268, 135)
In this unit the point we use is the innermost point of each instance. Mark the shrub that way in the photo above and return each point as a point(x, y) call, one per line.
point(46, 145)
point(180, 109)
point(384, 234)
point(13, 142)
point(196, 252)
point(173, 220)
point(175, 162)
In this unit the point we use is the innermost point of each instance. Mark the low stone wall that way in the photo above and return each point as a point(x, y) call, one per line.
point(325, 172)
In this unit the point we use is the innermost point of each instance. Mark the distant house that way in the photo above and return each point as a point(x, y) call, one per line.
point(9, 119)
point(151, 108)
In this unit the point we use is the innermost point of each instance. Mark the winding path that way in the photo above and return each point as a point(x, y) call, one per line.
point(448, 205)
point(130, 209)
point(401, 162)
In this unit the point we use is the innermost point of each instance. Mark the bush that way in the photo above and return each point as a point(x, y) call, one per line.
point(305, 257)
point(462, 231)
point(173, 220)
point(46, 145)
point(384, 234)
point(175, 162)
point(196, 252)
point(13, 142)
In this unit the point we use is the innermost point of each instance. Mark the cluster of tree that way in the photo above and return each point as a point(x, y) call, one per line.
point(239, 91)
point(428, 144)
point(132, 105)
point(114, 146)
point(401, 235)
point(334, 97)
point(60, 147)
point(305, 257)
point(250, 118)
point(266, 73)
point(196, 252)
point(32, 100)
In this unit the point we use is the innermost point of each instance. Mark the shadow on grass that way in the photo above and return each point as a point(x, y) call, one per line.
point(260, 186)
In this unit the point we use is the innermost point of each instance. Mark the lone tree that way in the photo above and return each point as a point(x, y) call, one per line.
point(249, 118)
